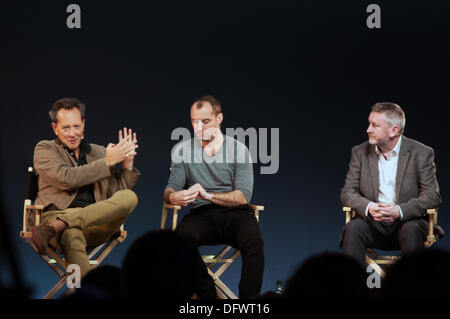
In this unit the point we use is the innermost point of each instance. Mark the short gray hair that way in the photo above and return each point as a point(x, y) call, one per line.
point(393, 112)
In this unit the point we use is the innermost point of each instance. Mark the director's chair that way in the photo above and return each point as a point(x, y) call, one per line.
point(219, 260)
point(32, 217)
point(376, 261)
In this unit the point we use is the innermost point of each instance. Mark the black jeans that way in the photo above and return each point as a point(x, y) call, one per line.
point(360, 234)
point(236, 226)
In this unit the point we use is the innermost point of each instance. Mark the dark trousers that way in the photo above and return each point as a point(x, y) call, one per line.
point(212, 224)
point(360, 234)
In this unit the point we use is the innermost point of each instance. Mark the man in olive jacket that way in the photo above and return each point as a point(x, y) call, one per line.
point(85, 200)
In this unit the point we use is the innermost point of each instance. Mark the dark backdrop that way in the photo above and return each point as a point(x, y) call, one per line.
point(311, 68)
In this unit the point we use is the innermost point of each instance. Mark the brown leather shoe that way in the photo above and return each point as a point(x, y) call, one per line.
point(42, 235)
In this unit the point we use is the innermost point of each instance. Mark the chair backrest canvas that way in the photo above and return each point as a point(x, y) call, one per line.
point(32, 184)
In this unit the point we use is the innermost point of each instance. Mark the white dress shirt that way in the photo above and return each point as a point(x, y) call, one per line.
point(387, 169)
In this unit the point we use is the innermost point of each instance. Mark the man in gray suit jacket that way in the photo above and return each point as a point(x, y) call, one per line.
point(391, 183)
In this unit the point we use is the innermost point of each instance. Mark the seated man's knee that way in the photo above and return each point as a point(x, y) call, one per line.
point(412, 227)
point(251, 237)
point(127, 199)
point(355, 228)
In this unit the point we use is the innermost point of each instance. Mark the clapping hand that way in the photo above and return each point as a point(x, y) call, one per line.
point(128, 135)
point(124, 151)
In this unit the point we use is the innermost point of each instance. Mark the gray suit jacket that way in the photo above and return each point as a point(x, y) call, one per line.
point(416, 185)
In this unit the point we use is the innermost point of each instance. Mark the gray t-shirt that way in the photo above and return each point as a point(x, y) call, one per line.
point(228, 170)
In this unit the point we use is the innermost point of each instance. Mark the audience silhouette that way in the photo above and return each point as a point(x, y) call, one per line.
point(160, 265)
point(423, 275)
point(102, 282)
point(327, 276)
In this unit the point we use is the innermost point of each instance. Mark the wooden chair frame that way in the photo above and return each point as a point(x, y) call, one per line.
point(377, 262)
point(220, 259)
point(32, 217)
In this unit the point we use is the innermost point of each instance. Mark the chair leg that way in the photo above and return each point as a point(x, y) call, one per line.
point(163, 217)
point(224, 251)
point(225, 266)
point(431, 238)
point(220, 285)
point(226, 291)
point(222, 290)
point(220, 293)
point(56, 288)
point(56, 257)
point(105, 253)
point(220, 255)
point(375, 267)
point(372, 253)
point(94, 251)
point(60, 271)
point(174, 219)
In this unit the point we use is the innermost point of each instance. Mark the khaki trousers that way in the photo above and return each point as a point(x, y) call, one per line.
point(92, 225)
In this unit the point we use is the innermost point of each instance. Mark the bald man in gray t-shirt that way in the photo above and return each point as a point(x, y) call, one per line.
point(213, 173)
point(228, 170)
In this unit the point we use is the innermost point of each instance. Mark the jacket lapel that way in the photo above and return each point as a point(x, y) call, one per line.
point(87, 149)
point(62, 148)
point(403, 159)
point(90, 157)
point(373, 164)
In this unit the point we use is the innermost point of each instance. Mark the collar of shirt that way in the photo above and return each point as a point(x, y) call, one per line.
point(85, 148)
point(394, 151)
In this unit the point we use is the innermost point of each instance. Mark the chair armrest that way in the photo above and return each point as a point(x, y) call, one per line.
point(434, 231)
point(432, 214)
point(171, 206)
point(349, 213)
point(28, 209)
point(122, 236)
point(37, 207)
point(256, 207)
point(256, 210)
point(165, 210)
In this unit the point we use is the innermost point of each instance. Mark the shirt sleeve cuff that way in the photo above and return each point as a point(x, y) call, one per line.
point(401, 212)
point(367, 209)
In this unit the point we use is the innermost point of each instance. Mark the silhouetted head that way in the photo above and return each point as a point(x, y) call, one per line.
point(160, 265)
point(327, 275)
point(102, 282)
point(424, 274)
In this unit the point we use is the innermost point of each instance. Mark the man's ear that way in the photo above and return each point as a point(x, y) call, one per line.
point(54, 128)
point(219, 118)
point(82, 136)
point(395, 131)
